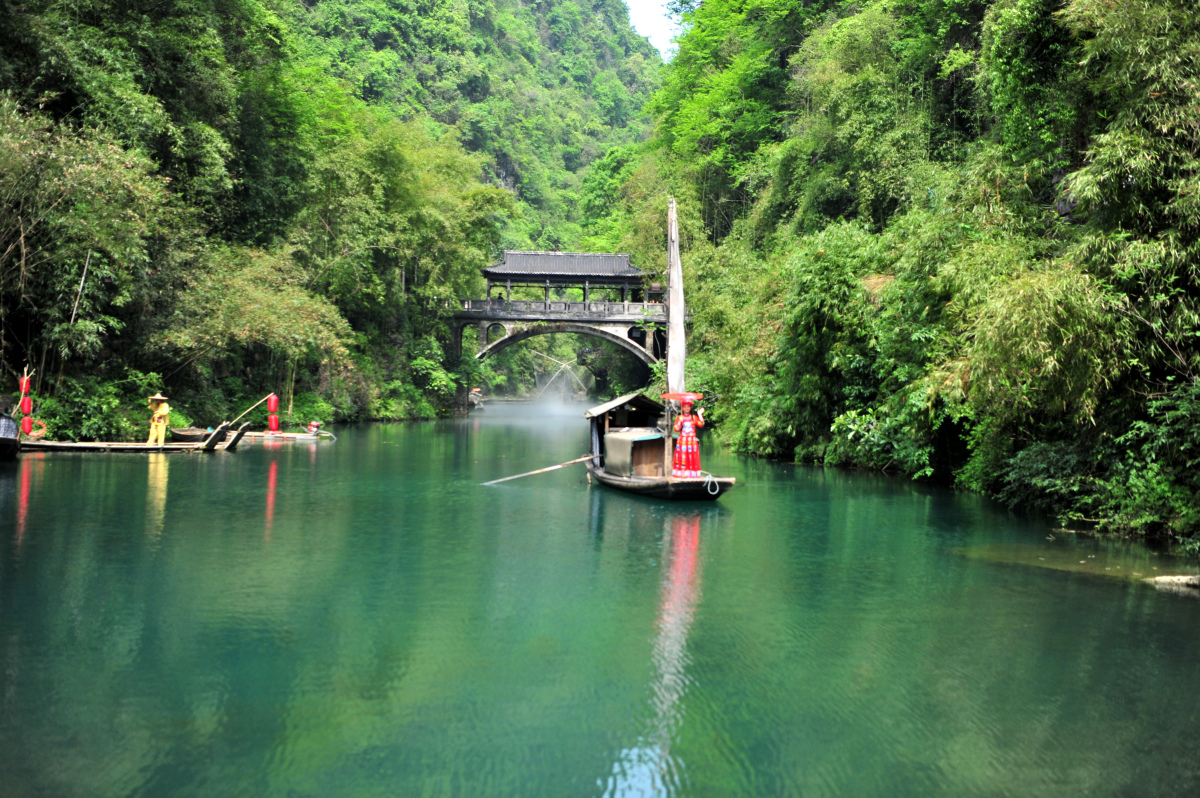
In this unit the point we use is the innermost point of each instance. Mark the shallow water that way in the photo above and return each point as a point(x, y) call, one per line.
point(362, 619)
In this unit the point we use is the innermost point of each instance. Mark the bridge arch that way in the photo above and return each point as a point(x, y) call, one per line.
point(567, 327)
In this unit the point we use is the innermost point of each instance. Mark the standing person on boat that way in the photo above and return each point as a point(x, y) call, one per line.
point(687, 448)
point(158, 421)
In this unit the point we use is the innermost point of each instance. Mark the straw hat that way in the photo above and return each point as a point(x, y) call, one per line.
point(158, 397)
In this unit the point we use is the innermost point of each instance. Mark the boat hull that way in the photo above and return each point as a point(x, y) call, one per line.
point(9, 448)
point(105, 446)
point(193, 435)
point(208, 445)
point(300, 437)
point(672, 488)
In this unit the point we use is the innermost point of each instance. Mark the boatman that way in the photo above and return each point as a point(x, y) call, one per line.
point(158, 421)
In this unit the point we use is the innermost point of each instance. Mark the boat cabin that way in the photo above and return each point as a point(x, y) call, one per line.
point(628, 438)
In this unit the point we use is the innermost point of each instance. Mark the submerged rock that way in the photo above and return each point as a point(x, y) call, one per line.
point(1179, 585)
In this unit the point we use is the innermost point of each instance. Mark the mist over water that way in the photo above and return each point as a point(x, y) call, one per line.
point(363, 618)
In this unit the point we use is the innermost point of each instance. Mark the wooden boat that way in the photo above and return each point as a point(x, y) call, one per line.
point(193, 434)
point(698, 489)
point(295, 437)
point(632, 451)
point(107, 447)
point(210, 444)
point(10, 437)
point(632, 448)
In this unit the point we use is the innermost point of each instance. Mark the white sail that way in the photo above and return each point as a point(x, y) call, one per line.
point(676, 345)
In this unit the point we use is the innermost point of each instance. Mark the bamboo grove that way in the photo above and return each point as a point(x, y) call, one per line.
point(950, 239)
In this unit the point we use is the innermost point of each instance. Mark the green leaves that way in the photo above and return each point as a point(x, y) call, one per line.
point(957, 238)
point(1049, 341)
point(70, 199)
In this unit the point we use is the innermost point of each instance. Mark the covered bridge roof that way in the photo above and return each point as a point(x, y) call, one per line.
point(559, 267)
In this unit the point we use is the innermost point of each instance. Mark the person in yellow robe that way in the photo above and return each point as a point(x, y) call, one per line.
point(158, 421)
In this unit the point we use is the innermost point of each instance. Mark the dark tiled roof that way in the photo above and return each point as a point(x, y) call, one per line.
point(576, 265)
point(637, 399)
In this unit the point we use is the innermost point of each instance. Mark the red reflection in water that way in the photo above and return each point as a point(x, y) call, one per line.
point(681, 592)
point(24, 478)
point(272, 477)
point(683, 584)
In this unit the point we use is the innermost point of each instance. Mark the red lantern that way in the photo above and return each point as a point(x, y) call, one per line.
point(273, 423)
point(23, 385)
point(272, 404)
point(27, 425)
point(26, 405)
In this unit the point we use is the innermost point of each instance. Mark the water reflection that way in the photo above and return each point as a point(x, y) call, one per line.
point(24, 481)
point(272, 479)
point(649, 768)
point(414, 634)
point(156, 493)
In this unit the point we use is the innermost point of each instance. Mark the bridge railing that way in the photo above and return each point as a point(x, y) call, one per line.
point(554, 307)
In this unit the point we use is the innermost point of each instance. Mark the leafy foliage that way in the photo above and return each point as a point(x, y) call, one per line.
point(955, 239)
point(245, 197)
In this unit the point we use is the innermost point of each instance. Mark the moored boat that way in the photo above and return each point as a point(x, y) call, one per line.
point(632, 451)
point(209, 444)
point(297, 437)
point(706, 488)
point(195, 434)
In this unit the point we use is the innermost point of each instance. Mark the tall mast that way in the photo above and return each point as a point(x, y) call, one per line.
point(676, 345)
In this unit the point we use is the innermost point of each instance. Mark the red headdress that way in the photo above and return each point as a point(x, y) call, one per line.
point(684, 397)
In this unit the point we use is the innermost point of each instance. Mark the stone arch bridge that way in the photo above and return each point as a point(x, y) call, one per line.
point(626, 314)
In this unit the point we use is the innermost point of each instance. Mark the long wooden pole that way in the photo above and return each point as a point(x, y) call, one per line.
point(256, 404)
point(79, 295)
point(541, 470)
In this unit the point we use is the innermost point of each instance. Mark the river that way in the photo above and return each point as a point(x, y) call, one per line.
point(364, 619)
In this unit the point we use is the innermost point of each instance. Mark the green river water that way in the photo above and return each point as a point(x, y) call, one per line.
point(364, 619)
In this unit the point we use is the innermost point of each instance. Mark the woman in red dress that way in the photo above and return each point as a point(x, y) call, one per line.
point(687, 447)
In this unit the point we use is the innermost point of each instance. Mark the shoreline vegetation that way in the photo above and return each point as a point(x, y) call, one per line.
point(956, 241)
point(223, 198)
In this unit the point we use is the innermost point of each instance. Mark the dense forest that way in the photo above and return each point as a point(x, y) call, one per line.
point(227, 197)
point(951, 239)
point(956, 240)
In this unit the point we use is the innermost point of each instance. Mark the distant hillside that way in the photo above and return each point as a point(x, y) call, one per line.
point(541, 88)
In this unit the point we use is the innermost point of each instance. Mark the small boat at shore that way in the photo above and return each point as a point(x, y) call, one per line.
point(212, 443)
point(195, 434)
point(295, 437)
point(633, 451)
